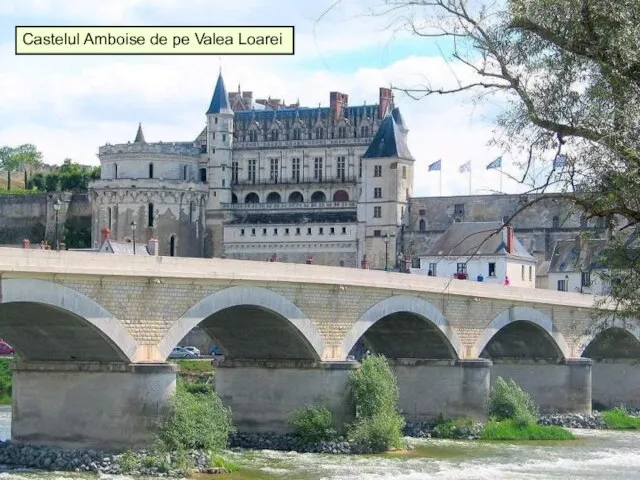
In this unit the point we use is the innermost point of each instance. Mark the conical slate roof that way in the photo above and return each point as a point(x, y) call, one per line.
point(399, 120)
point(220, 100)
point(139, 135)
point(390, 140)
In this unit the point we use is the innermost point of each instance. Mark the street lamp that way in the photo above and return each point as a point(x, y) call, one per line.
point(386, 252)
point(133, 231)
point(56, 206)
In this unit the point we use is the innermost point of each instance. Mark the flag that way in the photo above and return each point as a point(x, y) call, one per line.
point(465, 167)
point(436, 166)
point(497, 163)
point(559, 161)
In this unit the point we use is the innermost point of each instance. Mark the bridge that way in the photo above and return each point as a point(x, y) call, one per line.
point(93, 333)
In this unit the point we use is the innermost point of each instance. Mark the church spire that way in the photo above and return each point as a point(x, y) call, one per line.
point(220, 100)
point(139, 135)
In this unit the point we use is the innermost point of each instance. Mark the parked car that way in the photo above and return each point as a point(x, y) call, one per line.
point(179, 352)
point(216, 353)
point(5, 348)
point(193, 350)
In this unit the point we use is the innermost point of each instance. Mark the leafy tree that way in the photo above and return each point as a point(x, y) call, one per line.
point(567, 74)
point(51, 182)
point(77, 232)
point(37, 181)
point(15, 158)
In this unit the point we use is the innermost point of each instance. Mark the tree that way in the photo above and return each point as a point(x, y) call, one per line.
point(567, 73)
point(13, 159)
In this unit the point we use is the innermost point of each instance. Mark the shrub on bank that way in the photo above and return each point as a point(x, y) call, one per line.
point(509, 402)
point(313, 424)
point(514, 430)
point(378, 425)
point(620, 419)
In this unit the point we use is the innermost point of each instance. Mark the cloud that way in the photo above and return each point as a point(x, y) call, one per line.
point(69, 106)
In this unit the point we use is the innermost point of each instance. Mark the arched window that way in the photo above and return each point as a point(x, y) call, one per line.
point(273, 197)
point(203, 175)
point(341, 196)
point(191, 210)
point(252, 198)
point(184, 172)
point(172, 246)
point(318, 197)
point(151, 170)
point(150, 215)
point(115, 170)
point(109, 217)
point(423, 225)
point(556, 222)
point(296, 197)
point(234, 198)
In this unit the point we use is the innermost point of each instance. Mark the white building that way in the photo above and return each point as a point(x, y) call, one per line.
point(576, 266)
point(470, 250)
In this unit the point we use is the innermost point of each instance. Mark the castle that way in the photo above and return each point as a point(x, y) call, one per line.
point(269, 181)
point(264, 180)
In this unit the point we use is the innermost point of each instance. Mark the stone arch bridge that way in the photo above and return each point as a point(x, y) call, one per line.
point(93, 332)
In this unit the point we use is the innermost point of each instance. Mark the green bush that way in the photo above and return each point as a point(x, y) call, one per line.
point(197, 421)
point(512, 430)
point(313, 424)
point(462, 427)
point(509, 402)
point(619, 419)
point(378, 424)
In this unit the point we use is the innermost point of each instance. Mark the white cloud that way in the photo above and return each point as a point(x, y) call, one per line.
point(69, 106)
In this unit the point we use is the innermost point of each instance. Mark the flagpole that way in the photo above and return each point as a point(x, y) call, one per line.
point(469, 178)
point(500, 180)
point(440, 172)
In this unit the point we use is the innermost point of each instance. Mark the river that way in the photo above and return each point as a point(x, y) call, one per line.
point(594, 455)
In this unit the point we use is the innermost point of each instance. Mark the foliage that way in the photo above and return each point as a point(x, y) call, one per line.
point(619, 419)
point(77, 232)
point(378, 424)
point(70, 177)
point(509, 402)
point(565, 75)
point(51, 182)
point(20, 157)
point(194, 367)
point(6, 380)
point(513, 430)
point(197, 421)
point(462, 427)
point(313, 424)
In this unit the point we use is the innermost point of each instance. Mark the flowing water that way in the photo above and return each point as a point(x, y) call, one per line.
point(594, 455)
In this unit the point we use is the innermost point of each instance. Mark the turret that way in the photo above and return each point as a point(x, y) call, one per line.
point(219, 146)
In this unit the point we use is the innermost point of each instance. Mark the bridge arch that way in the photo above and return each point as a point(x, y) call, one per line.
point(250, 322)
point(419, 318)
point(623, 337)
point(44, 320)
point(528, 324)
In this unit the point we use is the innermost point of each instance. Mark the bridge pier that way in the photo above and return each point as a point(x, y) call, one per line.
point(451, 388)
point(262, 394)
point(104, 406)
point(555, 385)
point(616, 382)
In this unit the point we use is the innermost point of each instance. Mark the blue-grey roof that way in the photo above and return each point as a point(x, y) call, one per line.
point(220, 100)
point(398, 118)
point(139, 135)
point(389, 141)
point(257, 115)
point(475, 238)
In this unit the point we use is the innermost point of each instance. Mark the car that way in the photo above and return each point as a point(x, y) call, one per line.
point(179, 352)
point(5, 348)
point(193, 350)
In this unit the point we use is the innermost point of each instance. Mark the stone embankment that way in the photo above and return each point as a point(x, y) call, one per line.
point(579, 420)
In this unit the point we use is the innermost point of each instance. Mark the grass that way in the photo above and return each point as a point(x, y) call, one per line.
point(619, 419)
point(195, 367)
point(6, 376)
point(511, 430)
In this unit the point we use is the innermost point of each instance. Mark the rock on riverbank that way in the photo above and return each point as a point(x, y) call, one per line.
point(139, 463)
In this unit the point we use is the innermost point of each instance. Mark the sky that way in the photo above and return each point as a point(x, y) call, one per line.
point(68, 106)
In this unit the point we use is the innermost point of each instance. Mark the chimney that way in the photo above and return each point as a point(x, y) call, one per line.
point(26, 243)
point(338, 102)
point(152, 246)
point(384, 101)
point(511, 241)
point(106, 233)
point(364, 264)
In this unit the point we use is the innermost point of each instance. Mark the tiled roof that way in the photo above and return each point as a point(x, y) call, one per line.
point(390, 140)
point(475, 238)
point(577, 256)
point(220, 100)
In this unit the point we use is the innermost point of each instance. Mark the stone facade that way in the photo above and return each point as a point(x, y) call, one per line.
point(265, 167)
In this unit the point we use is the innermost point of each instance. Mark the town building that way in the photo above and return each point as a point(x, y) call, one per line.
point(480, 251)
point(263, 180)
